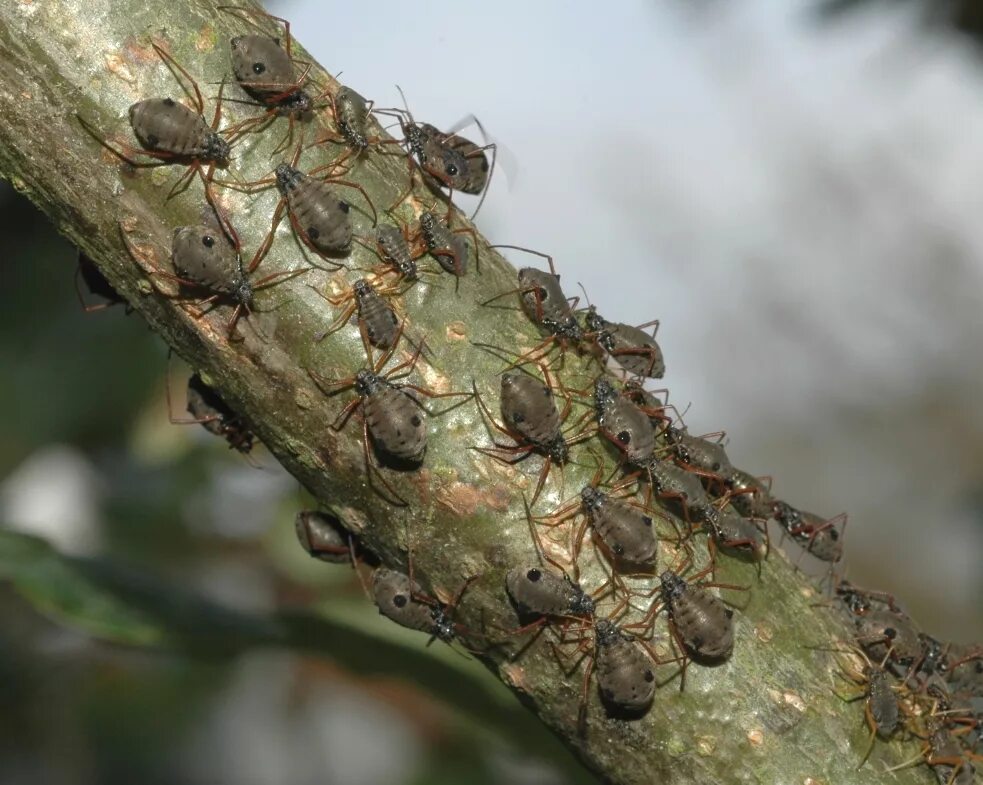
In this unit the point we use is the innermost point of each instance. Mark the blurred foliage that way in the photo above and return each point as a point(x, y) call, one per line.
point(966, 16)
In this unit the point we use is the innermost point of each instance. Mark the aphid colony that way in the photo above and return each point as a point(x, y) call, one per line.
point(673, 485)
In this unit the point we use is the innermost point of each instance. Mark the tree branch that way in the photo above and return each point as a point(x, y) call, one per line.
point(767, 715)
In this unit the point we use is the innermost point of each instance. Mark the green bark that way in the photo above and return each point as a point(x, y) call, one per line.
point(768, 715)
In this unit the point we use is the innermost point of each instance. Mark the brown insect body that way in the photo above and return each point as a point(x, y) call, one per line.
point(380, 320)
point(535, 590)
point(322, 536)
point(632, 348)
point(623, 423)
point(394, 418)
point(352, 117)
point(264, 70)
point(732, 532)
point(818, 536)
point(678, 485)
point(207, 407)
point(546, 305)
point(321, 216)
point(164, 125)
point(881, 631)
point(882, 703)
point(624, 670)
point(205, 257)
point(396, 251)
point(625, 530)
point(450, 250)
point(699, 453)
point(701, 620)
point(396, 596)
point(528, 408)
point(748, 495)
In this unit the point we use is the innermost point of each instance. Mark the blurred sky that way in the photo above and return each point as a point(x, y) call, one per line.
point(796, 202)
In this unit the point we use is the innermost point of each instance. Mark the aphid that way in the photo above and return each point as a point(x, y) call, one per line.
point(631, 347)
point(204, 258)
point(882, 712)
point(377, 321)
point(819, 537)
point(401, 599)
point(859, 601)
point(675, 485)
point(447, 246)
point(964, 670)
point(323, 537)
point(623, 424)
point(265, 71)
point(531, 418)
point(730, 532)
point(646, 400)
point(951, 764)
point(319, 217)
point(544, 302)
point(699, 621)
point(96, 283)
point(394, 248)
point(882, 634)
point(351, 112)
point(748, 495)
point(699, 455)
point(170, 132)
point(625, 677)
point(446, 160)
point(536, 590)
point(392, 417)
point(208, 409)
point(626, 530)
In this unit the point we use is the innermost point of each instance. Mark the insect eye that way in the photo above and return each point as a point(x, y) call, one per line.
point(542, 294)
point(619, 550)
point(534, 575)
point(208, 241)
point(399, 600)
point(624, 437)
point(345, 207)
point(451, 170)
point(890, 633)
point(259, 68)
point(647, 521)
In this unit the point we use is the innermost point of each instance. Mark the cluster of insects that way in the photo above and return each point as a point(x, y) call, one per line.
point(669, 487)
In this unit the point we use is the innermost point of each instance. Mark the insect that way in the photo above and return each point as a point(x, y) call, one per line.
point(265, 71)
point(730, 532)
point(208, 409)
point(531, 418)
point(647, 401)
point(323, 537)
point(623, 424)
point(204, 258)
point(698, 621)
point(447, 245)
point(400, 598)
point(952, 765)
point(446, 160)
point(699, 455)
point(86, 272)
point(392, 244)
point(748, 495)
point(169, 132)
point(378, 323)
point(819, 537)
point(631, 347)
point(859, 601)
point(882, 712)
point(319, 217)
point(680, 488)
point(883, 634)
point(544, 302)
point(626, 530)
point(393, 419)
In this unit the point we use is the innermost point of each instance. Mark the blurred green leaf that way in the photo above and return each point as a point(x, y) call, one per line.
point(58, 588)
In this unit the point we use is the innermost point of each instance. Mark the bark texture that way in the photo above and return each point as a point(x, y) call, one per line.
point(767, 715)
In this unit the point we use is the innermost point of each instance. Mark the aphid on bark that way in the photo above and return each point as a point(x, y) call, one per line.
point(531, 418)
point(378, 323)
point(623, 424)
point(544, 302)
point(882, 712)
point(736, 535)
point(626, 530)
point(820, 537)
point(679, 488)
point(950, 762)
point(883, 634)
point(700, 455)
point(205, 259)
point(446, 160)
point(323, 537)
point(446, 245)
point(393, 419)
point(265, 71)
point(393, 245)
point(87, 273)
point(631, 347)
point(170, 132)
point(859, 601)
point(748, 495)
point(401, 599)
point(652, 406)
point(207, 409)
point(319, 217)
